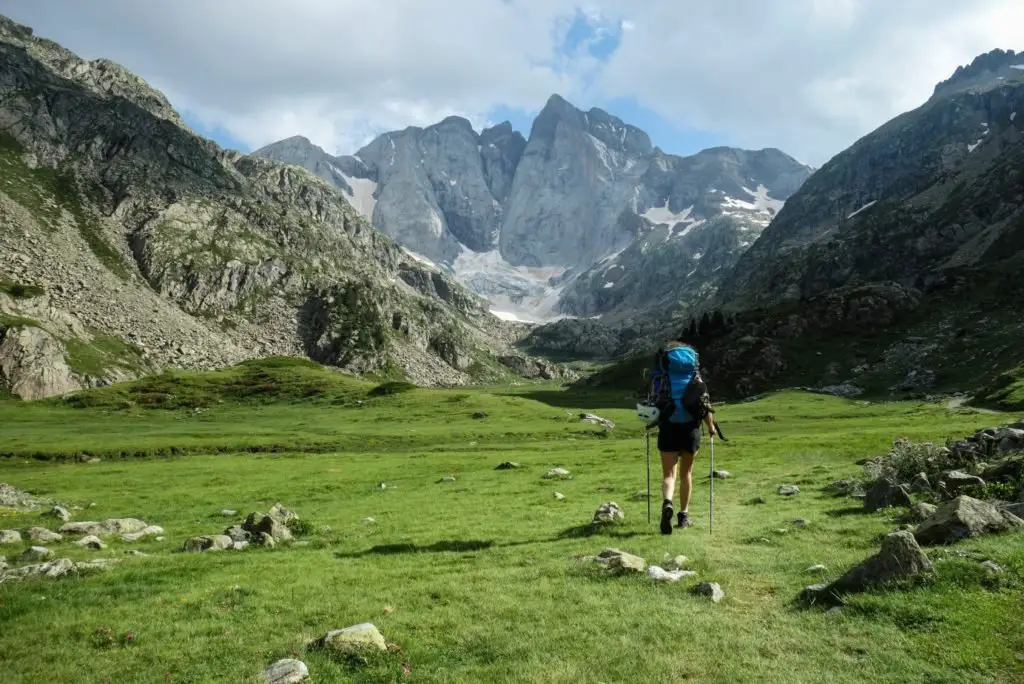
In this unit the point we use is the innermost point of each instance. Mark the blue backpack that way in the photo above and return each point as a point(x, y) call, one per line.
point(677, 389)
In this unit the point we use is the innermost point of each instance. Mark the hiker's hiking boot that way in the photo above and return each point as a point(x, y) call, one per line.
point(683, 520)
point(666, 518)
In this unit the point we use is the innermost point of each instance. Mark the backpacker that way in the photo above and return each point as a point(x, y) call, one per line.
point(677, 390)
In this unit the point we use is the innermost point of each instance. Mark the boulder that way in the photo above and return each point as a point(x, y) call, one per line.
point(59, 512)
point(352, 640)
point(608, 513)
point(282, 514)
point(884, 494)
point(1016, 509)
point(557, 474)
point(993, 567)
point(722, 474)
point(711, 590)
point(228, 512)
point(1005, 470)
point(51, 569)
point(920, 483)
point(621, 562)
point(91, 542)
point(955, 480)
point(237, 533)
point(447, 479)
point(597, 420)
point(35, 554)
point(148, 531)
point(217, 542)
point(788, 490)
point(41, 534)
point(662, 575)
point(287, 671)
point(8, 537)
point(105, 528)
point(258, 524)
point(962, 518)
point(919, 513)
point(900, 558)
point(559, 496)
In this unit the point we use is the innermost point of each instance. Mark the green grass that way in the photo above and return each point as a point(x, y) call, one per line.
point(104, 352)
point(1006, 392)
point(478, 580)
point(20, 290)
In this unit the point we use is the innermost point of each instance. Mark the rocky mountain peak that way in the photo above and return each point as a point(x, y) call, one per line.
point(986, 71)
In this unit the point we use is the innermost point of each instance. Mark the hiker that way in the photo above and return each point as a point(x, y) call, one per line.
point(679, 428)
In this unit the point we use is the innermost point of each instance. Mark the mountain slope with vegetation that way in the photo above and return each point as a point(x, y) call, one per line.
point(130, 243)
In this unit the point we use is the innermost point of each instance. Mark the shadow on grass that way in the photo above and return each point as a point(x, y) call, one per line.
point(447, 546)
point(585, 531)
point(581, 399)
point(846, 512)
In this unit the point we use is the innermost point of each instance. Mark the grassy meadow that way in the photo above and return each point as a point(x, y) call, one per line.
point(483, 579)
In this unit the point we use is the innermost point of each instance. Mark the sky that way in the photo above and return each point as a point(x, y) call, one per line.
point(805, 76)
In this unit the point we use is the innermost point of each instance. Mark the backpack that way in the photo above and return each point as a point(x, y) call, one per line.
point(676, 388)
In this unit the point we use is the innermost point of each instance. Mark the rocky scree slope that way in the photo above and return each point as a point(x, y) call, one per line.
point(585, 218)
point(129, 243)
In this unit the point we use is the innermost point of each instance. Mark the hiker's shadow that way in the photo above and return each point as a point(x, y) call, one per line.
point(591, 530)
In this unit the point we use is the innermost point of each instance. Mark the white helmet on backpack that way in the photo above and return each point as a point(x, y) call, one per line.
point(647, 412)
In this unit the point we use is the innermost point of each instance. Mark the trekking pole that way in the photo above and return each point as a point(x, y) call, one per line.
point(711, 515)
point(647, 433)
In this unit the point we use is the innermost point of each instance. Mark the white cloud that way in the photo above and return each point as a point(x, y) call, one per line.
point(808, 76)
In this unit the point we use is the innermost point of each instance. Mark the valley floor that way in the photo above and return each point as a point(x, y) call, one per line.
point(482, 579)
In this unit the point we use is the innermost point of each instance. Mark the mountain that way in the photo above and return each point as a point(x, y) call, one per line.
point(131, 244)
point(548, 227)
point(932, 190)
point(894, 269)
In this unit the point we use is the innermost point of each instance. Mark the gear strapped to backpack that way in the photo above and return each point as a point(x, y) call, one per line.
point(677, 392)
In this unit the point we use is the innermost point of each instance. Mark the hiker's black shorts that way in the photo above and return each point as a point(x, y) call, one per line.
point(679, 437)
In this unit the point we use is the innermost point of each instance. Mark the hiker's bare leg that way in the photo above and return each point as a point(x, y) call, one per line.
point(668, 470)
point(685, 480)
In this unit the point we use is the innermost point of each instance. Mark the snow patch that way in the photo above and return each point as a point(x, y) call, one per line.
point(361, 198)
point(608, 285)
point(507, 316)
point(663, 215)
point(419, 257)
point(517, 291)
point(453, 183)
point(864, 208)
point(1013, 115)
point(971, 148)
point(764, 203)
point(1017, 66)
point(606, 155)
point(697, 256)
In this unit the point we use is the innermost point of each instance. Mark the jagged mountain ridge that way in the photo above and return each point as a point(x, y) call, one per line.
point(132, 244)
point(536, 225)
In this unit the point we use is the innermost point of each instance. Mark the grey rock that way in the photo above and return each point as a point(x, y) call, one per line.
point(240, 545)
point(8, 537)
point(817, 569)
point(12, 497)
point(282, 514)
point(106, 528)
point(238, 534)
point(41, 534)
point(559, 496)
point(963, 518)
point(800, 522)
point(557, 474)
point(900, 558)
point(479, 415)
point(508, 465)
point(608, 513)
point(677, 563)
point(659, 574)
point(369, 520)
point(228, 512)
point(955, 480)
point(993, 567)
point(722, 474)
point(217, 542)
point(1016, 509)
point(258, 524)
point(919, 512)
point(448, 479)
point(59, 512)
point(597, 420)
point(920, 483)
point(148, 531)
point(287, 671)
point(266, 540)
point(885, 494)
point(35, 554)
point(789, 490)
point(710, 590)
point(50, 569)
point(352, 640)
point(621, 562)
point(33, 365)
point(91, 542)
